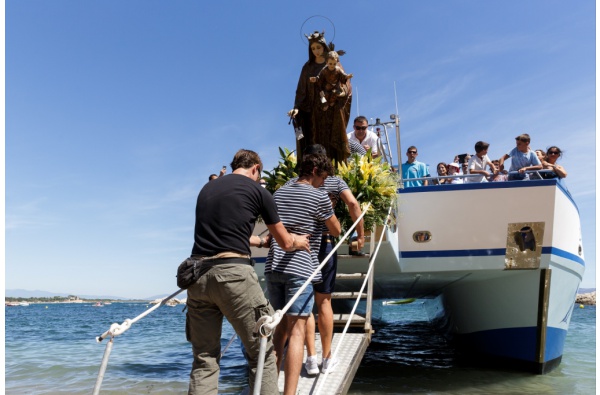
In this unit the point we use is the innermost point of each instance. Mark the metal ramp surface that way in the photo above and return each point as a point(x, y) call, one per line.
point(338, 382)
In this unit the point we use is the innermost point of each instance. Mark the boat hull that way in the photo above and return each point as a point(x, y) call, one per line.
point(498, 266)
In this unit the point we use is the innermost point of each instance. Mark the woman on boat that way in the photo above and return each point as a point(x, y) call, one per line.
point(549, 163)
point(442, 171)
point(319, 125)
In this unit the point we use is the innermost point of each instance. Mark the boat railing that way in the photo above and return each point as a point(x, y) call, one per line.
point(533, 176)
point(383, 142)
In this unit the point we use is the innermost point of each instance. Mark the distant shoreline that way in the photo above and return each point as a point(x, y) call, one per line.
point(65, 300)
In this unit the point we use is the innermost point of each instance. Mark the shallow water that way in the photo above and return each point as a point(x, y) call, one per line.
point(53, 350)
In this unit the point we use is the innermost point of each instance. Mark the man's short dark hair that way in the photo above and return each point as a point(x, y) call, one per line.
point(310, 161)
point(524, 138)
point(315, 149)
point(481, 145)
point(212, 177)
point(411, 148)
point(361, 118)
point(245, 159)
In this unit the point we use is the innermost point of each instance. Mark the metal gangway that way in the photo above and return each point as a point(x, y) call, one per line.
point(347, 348)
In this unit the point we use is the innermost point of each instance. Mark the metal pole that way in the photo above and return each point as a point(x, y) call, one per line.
point(401, 181)
point(260, 366)
point(107, 351)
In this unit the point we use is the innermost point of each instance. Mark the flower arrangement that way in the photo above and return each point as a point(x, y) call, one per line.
point(370, 180)
point(283, 172)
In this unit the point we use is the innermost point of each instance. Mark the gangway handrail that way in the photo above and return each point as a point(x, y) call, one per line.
point(116, 330)
point(347, 326)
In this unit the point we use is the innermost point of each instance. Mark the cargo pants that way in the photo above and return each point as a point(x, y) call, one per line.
point(233, 291)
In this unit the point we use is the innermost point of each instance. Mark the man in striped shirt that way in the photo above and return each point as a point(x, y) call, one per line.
point(302, 207)
point(337, 189)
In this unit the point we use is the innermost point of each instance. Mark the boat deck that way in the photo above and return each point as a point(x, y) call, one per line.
point(337, 382)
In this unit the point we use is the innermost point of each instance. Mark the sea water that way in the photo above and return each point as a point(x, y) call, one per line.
point(51, 349)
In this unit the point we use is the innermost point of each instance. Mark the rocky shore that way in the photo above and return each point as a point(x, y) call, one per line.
point(588, 298)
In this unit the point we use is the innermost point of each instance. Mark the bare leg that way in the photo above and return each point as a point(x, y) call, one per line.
point(279, 338)
point(310, 336)
point(325, 322)
point(295, 352)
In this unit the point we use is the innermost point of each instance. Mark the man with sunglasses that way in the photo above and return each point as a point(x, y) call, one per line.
point(364, 137)
point(414, 169)
point(226, 211)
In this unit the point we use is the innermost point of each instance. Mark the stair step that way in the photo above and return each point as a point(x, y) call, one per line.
point(347, 295)
point(350, 276)
point(341, 319)
point(348, 256)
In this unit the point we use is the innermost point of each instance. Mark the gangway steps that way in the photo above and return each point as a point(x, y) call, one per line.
point(350, 276)
point(341, 319)
point(347, 295)
point(338, 382)
point(348, 256)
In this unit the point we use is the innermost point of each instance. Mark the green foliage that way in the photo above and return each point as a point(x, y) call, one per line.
point(370, 180)
point(284, 171)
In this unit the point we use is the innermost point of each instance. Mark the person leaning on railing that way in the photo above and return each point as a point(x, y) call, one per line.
point(412, 168)
point(523, 159)
point(549, 163)
point(442, 171)
point(502, 175)
point(477, 164)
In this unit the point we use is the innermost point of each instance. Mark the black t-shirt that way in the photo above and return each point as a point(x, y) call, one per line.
point(226, 211)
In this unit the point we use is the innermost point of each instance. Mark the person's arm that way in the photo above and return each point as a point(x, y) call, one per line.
point(333, 226)
point(375, 147)
point(287, 241)
point(559, 170)
point(501, 161)
point(534, 165)
point(355, 212)
point(426, 174)
point(492, 168)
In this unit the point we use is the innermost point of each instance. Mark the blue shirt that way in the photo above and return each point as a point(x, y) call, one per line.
point(414, 170)
point(522, 159)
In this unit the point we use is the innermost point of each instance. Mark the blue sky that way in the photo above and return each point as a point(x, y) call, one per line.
point(117, 111)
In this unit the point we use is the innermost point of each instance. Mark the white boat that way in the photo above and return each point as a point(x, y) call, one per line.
point(498, 270)
point(24, 304)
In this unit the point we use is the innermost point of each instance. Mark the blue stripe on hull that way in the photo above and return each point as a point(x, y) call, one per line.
point(485, 252)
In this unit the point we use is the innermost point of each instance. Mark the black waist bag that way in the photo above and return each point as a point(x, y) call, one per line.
point(189, 272)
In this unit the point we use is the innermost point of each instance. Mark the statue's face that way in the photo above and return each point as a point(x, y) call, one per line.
point(331, 63)
point(317, 49)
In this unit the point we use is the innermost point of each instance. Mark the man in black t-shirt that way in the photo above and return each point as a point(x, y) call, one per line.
point(226, 211)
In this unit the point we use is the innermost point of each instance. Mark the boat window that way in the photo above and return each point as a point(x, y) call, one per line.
point(422, 236)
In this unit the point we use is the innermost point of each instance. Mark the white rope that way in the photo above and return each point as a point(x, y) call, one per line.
point(116, 329)
point(371, 264)
point(276, 318)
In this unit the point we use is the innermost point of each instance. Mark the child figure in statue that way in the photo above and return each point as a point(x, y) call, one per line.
point(331, 81)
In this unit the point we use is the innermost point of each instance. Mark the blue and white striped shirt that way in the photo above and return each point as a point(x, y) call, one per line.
point(302, 209)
